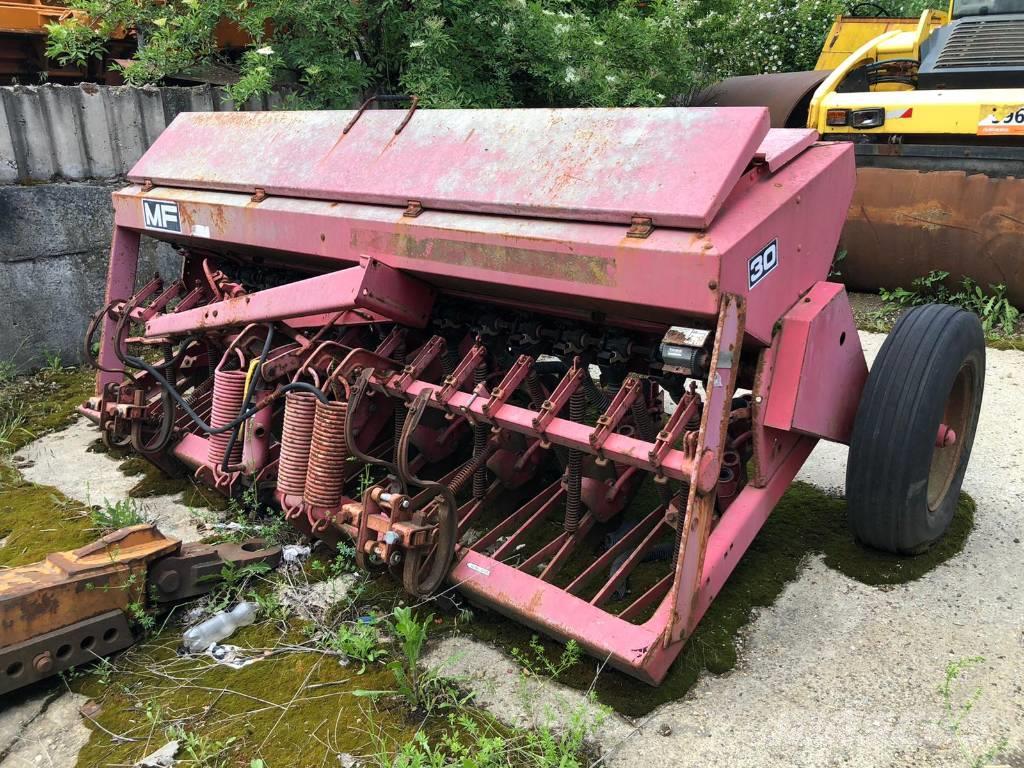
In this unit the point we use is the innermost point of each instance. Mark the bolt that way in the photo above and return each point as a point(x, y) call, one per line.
point(169, 582)
point(43, 663)
point(713, 285)
point(396, 558)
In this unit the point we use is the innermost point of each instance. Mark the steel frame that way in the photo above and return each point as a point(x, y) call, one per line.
point(372, 261)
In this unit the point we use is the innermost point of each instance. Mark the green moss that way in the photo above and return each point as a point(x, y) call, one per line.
point(1006, 342)
point(806, 521)
point(153, 481)
point(36, 520)
point(285, 709)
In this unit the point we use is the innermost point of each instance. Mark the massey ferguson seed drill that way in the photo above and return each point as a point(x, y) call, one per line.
point(564, 361)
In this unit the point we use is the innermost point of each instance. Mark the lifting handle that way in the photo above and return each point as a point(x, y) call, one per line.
point(385, 98)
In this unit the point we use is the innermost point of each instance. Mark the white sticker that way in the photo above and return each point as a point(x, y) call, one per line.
point(479, 569)
point(200, 230)
point(718, 379)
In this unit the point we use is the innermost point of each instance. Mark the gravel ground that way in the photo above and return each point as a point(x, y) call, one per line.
point(835, 673)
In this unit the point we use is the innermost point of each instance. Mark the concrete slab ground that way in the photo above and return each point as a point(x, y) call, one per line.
point(62, 459)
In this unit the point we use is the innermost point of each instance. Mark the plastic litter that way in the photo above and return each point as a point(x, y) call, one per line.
point(216, 628)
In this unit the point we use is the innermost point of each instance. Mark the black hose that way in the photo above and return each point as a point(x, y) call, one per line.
point(142, 365)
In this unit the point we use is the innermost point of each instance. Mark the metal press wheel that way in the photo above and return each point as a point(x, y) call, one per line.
point(914, 429)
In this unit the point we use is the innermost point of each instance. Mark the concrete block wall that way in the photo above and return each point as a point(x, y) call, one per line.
point(63, 150)
point(53, 132)
point(54, 246)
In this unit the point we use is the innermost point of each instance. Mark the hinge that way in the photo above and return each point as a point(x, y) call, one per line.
point(413, 209)
point(147, 186)
point(259, 195)
point(640, 226)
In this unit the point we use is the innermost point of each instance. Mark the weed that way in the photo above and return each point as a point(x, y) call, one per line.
point(8, 370)
point(270, 605)
point(423, 690)
point(53, 362)
point(200, 751)
point(232, 582)
point(359, 642)
point(137, 613)
point(835, 271)
point(12, 424)
point(537, 662)
point(112, 516)
point(956, 713)
point(998, 315)
point(473, 740)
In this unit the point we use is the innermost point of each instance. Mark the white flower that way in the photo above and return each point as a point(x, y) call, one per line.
point(570, 75)
point(416, 44)
point(266, 50)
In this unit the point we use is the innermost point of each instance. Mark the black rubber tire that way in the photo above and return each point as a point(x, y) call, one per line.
point(908, 394)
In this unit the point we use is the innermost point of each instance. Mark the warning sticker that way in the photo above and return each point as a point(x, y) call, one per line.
point(1001, 120)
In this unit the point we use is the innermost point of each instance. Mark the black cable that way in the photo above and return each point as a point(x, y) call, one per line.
point(142, 365)
point(256, 376)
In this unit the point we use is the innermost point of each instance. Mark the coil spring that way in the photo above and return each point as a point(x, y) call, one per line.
point(327, 451)
point(228, 394)
point(534, 389)
point(577, 410)
point(296, 434)
point(400, 408)
point(470, 468)
point(595, 394)
point(480, 440)
point(642, 417)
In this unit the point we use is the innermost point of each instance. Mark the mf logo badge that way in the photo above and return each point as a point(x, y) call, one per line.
point(763, 262)
point(161, 214)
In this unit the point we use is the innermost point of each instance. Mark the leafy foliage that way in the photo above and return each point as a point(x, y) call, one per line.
point(114, 515)
point(997, 314)
point(463, 53)
point(359, 642)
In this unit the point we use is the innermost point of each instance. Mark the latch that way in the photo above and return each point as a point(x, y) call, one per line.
point(640, 227)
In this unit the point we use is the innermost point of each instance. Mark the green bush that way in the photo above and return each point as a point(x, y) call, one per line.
point(464, 53)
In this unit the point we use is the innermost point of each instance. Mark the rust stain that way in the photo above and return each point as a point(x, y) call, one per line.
point(573, 267)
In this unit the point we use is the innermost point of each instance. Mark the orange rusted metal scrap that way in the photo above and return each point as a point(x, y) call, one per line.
point(68, 587)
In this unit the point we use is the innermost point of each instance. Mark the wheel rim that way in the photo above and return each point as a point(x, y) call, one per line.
point(957, 415)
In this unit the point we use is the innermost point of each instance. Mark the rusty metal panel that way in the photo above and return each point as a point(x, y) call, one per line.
point(69, 587)
point(903, 224)
point(819, 347)
point(675, 166)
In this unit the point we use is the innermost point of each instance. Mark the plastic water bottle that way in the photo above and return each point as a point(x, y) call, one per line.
point(219, 627)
